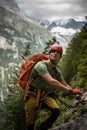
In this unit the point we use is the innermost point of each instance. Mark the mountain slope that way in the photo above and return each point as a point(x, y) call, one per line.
point(16, 31)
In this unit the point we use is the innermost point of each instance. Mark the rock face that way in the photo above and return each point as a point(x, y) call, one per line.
point(78, 124)
point(10, 5)
point(17, 32)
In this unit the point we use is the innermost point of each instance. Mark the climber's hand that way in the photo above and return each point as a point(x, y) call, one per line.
point(75, 92)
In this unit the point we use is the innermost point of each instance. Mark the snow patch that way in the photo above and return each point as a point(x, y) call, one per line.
point(4, 44)
point(63, 31)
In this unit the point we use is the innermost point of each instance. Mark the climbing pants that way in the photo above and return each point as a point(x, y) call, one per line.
point(49, 105)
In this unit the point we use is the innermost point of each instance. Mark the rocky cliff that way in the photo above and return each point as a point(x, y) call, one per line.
point(16, 32)
point(78, 124)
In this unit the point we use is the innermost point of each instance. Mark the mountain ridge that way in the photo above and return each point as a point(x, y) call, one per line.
point(62, 29)
point(66, 23)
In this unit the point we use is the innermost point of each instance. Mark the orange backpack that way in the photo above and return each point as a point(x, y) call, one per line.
point(27, 67)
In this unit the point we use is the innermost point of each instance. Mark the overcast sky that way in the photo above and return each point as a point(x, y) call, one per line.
point(54, 8)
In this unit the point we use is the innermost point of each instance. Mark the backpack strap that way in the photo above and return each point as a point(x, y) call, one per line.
point(39, 93)
point(38, 98)
point(27, 89)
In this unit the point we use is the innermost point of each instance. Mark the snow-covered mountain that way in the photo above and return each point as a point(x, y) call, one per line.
point(66, 23)
point(62, 29)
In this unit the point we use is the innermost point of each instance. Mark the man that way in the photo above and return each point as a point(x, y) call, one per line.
point(50, 80)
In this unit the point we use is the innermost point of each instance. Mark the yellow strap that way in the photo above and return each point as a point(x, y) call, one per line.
point(27, 89)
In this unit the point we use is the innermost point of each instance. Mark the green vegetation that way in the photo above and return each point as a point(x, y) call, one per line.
point(12, 114)
point(74, 62)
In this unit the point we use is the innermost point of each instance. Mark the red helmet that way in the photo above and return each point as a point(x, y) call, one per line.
point(56, 48)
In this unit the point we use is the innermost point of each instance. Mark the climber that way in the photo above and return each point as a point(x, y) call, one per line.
point(49, 80)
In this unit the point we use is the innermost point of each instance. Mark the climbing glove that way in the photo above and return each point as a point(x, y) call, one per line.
point(75, 92)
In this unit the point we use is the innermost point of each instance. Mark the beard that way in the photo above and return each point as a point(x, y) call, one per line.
point(54, 62)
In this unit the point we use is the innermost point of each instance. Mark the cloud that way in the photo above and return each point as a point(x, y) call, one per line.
point(53, 8)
